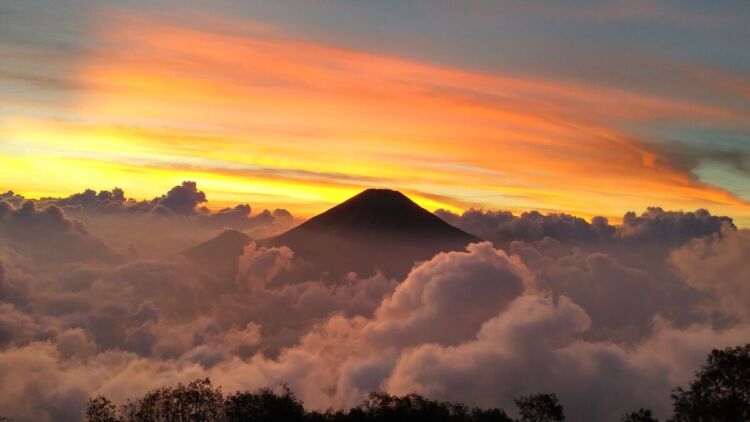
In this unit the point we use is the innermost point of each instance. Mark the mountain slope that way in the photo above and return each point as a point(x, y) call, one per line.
point(376, 229)
point(219, 254)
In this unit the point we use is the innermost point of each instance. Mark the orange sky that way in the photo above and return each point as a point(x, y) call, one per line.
point(255, 116)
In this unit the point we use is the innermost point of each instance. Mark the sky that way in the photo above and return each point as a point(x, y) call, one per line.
point(592, 108)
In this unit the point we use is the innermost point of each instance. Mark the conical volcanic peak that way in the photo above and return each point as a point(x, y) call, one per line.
point(381, 212)
point(376, 229)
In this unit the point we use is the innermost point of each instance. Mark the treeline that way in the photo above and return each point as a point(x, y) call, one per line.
point(720, 392)
point(201, 401)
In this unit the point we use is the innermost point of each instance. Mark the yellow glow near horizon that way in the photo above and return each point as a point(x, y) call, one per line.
point(255, 117)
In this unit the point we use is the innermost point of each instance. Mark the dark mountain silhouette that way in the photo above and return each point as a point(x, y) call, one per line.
point(220, 254)
point(376, 229)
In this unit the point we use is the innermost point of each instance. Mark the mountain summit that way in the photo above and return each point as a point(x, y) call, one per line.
point(383, 212)
point(221, 253)
point(378, 229)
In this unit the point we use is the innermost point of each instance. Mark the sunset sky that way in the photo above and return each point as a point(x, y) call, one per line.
point(588, 108)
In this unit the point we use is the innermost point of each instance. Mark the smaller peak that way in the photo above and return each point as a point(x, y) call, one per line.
point(231, 235)
point(231, 232)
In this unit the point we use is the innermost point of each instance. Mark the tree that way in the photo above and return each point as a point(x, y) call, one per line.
point(195, 402)
point(199, 401)
point(264, 406)
point(720, 391)
point(641, 415)
point(490, 415)
point(99, 409)
point(540, 407)
point(415, 408)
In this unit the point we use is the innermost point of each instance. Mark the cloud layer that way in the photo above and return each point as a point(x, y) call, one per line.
point(164, 225)
point(610, 317)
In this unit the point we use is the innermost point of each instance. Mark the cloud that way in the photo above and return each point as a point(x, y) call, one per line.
point(49, 235)
point(522, 340)
point(161, 226)
point(610, 321)
point(653, 225)
point(448, 297)
point(502, 227)
point(183, 199)
point(717, 265)
point(622, 294)
point(124, 328)
point(12, 198)
point(88, 199)
point(15, 326)
point(533, 346)
point(257, 268)
point(671, 226)
point(39, 384)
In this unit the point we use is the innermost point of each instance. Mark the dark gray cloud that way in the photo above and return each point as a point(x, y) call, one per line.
point(12, 198)
point(49, 236)
point(164, 225)
point(183, 199)
point(654, 225)
point(502, 227)
point(675, 227)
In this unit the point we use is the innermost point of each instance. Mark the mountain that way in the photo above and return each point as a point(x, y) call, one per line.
point(220, 254)
point(376, 229)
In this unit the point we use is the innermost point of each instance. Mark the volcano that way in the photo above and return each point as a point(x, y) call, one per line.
point(376, 230)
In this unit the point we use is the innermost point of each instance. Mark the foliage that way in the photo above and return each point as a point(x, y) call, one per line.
point(641, 415)
point(100, 409)
point(542, 407)
point(720, 391)
point(195, 402)
point(413, 407)
point(263, 406)
point(199, 401)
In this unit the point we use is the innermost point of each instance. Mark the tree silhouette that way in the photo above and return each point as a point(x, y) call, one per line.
point(264, 406)
point(720, 391)
point(641, 415)
point(195, 402)
point(200, 401)
point(100, 409)
point(542, 407)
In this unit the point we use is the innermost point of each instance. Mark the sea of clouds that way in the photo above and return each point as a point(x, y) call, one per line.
point(96, 299)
